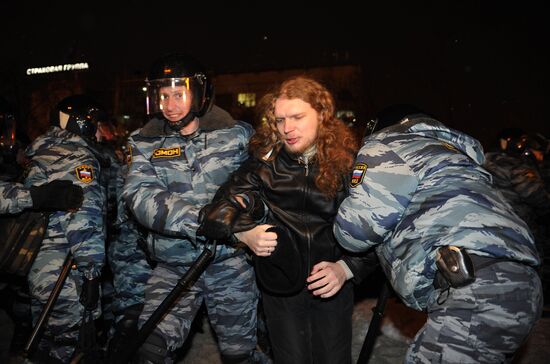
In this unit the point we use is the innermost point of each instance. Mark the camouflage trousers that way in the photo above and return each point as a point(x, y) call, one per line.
point(228, 289)
point(130, 272)
point(62, 328)
point(484, 322)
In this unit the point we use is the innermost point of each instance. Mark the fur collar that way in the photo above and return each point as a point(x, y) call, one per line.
point(215, 119)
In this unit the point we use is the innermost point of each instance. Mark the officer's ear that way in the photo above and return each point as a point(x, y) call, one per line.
point(63, 120)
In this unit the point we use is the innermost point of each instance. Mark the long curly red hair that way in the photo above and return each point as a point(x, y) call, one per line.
point(336, 143)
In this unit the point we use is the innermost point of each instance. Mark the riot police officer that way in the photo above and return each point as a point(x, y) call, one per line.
point(178, 160)
point(66, 152)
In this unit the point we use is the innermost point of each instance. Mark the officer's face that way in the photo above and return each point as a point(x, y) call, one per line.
point(297, 123)
point(175, 102)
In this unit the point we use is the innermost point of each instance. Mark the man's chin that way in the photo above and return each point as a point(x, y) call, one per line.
point(294, 149)
point(173, 120)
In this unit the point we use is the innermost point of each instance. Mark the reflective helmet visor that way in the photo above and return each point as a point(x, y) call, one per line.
point(175, 98)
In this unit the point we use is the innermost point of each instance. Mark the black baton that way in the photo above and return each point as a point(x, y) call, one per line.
point(194, 271)
point(36, 334)
point(374, 326)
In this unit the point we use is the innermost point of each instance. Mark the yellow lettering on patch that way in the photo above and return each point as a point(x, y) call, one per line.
point(167, 152)
point(450, 147)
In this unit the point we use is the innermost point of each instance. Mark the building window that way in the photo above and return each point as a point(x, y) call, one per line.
point(247, 100)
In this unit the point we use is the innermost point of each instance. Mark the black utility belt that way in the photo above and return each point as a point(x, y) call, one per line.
point(456, 267)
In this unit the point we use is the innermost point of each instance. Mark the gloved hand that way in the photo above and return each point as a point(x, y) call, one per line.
point(89, 297)
point(57, 195)
point(126, 331)
point(217, 219)
point(220, 219)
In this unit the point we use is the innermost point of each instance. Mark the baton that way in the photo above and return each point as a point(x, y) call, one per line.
point(36, 334)
point(194, 271)
point(374, 326)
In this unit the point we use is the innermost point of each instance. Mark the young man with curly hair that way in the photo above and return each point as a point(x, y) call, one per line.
point(289, 192)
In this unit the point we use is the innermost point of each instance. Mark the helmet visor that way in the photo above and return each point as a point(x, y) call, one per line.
point(175, 98)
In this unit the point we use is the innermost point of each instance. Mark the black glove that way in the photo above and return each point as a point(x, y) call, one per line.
point(217, 219)
point(126, 332)
point(89, 297)
point(57, 195)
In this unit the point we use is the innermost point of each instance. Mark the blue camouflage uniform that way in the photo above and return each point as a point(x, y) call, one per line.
point(62, 155)
point(171, 178)
point(15, 197)
point(519, 179)
point(127, 260)
point(418, 186)
point(111, 186)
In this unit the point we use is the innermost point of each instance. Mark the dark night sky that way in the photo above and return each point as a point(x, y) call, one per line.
point(479, 65)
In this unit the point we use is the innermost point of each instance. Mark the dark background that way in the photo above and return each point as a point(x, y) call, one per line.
point(477, 65)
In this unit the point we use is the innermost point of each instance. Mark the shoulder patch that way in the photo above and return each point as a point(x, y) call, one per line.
point(167, 152)
point(128, 154)
point(358, 173)
point(85, 173)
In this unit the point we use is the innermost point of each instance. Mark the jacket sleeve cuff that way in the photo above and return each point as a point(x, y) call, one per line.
point(349, 273)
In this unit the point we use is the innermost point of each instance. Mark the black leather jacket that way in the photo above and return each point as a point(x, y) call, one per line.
point(287, 187)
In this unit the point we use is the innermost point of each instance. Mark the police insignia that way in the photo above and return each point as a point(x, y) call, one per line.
point(358, 173)
point(167, 152)
point(85, 173)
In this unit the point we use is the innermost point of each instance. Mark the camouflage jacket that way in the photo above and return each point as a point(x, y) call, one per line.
point(171, 177)
point(420, 185)
point(62, 155)
point(521, 184)
point(14, 197)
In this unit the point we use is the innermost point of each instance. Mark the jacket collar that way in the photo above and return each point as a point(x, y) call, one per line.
point(215, 119)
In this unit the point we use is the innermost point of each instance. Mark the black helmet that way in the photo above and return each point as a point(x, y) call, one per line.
point(533, 145)
point(179, 72)
point(78, 114)
point(512, 141)
point(537, 142)
point(391, 115)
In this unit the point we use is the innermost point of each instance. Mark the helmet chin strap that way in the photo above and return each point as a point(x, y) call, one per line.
point(183, 122)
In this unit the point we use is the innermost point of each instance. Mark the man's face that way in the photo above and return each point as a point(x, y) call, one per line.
point(297, 123)
point(175, 102)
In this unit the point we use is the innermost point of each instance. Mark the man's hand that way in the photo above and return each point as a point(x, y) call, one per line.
point(126, 332)
point(89, 297)
point(326, 279)
point(57, 195)
point(259, 240)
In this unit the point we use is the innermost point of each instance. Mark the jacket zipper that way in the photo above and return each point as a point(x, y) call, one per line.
point(305, 161)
